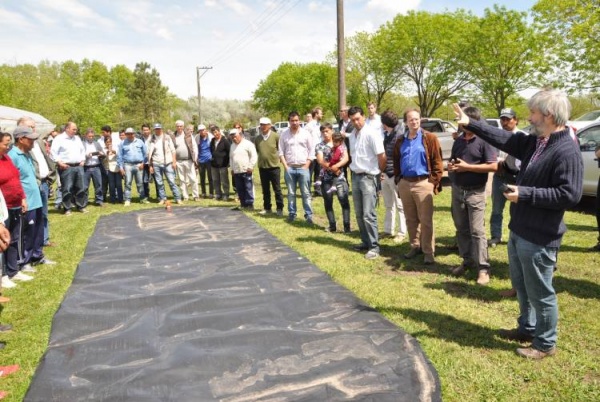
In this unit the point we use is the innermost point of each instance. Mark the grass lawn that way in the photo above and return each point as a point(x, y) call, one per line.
point(454, 319)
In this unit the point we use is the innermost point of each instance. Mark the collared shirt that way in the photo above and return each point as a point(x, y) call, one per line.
point(67, 149)
point(365, 145)
point(242, 156)
point(413, 157)
point(161, 150)
point(181, 150)
point(131, 152)
point(37, 153)
point(296, 148)
point(314, 127)
point(24, 162)
point(91, 147)
point(375, 123)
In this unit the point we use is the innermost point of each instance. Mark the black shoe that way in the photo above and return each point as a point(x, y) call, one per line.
point(347, 229)
point(514, 335)
point(5, 327)
point(360, 247)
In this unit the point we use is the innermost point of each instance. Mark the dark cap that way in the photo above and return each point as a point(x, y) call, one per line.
point(508, 112)
point(24, 131)
point(157, 126)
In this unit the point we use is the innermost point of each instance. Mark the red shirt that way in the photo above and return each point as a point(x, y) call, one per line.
point(10, 183)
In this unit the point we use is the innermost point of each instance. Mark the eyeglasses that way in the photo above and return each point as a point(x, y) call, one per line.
point(238, 127)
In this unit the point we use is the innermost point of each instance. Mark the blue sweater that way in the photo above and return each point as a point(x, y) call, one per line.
point(552, 184)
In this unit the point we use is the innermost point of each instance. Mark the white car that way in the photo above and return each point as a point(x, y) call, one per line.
point(585, 120)
point(589, 139)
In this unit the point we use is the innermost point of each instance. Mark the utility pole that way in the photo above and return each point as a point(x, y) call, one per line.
point(341, 55)
point(198, 76)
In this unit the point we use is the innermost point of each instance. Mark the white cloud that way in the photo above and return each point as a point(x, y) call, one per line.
point(77, 14)
point(14, 20)
point(44, 19)
point(393, 6)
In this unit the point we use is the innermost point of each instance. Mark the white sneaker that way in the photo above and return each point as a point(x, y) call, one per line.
point(28, 268)
point(127, 203)
point(7, 283)
point(20, 276)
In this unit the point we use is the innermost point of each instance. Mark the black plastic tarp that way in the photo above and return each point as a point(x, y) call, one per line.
point(202, 304)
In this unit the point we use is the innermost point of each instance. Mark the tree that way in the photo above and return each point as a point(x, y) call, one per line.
point(147, 95)
point(431, 52)
point(506, 56)
point(572, 31)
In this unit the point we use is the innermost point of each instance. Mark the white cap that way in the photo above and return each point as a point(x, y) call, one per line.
point(233, 131)
point(264, 120)
point(201, 127)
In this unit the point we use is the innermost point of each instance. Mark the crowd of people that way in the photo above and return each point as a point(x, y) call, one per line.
point(540, 175)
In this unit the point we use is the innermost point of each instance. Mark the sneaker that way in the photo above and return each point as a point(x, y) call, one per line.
point(330, 229)
point(535, 354)
point(45, 261)
point(372, 254)
point(514, 335)
point(280, 212)
point(459, 271)
point(493, 242)
point(265, 212)
point(398, 239)
point(127, 203)
point(84, 210)
point(7, 283)
point(483, 277)
point(161, 202)
point(68, 212)
point(4, 328)
point(413, 253)
point(385, 236)
point(291, 218)
point(144, 201)
point(28, 268)
point(196, 198)
point(20, 276)
point(429, 259)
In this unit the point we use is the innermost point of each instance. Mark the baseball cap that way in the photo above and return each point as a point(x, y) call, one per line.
point(157, 126)
point(233, 131)
point(201, 127)
point(508, 112)
point(264, 120)
point(129, 130)
point(24, 131)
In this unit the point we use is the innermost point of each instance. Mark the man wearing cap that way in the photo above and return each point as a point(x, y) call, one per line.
point(187, 154)
point(131, 157)
point(32, 232)
point(219, 148)
point(296, 153)
point(508, 168)
point(204, 157)
point(163, 160)
point(92, 167)
point(69, 154)
point(267, 148)
point(242, 156)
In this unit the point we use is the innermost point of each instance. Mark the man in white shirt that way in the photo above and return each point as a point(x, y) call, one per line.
point(314, 127)
point(187, 155)
point(162, 160)
point(374, 120)
point(243, 158)
point(368, 161)
point(296, 152)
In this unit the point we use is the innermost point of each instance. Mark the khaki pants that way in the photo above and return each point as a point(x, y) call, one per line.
point(186, 170)
point(417, 199)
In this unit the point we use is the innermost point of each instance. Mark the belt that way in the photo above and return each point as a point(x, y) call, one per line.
point(73, 164)
point(91, 166)
point(471, 188)
point(363, 174)
point(415, 178)
point(133, 163)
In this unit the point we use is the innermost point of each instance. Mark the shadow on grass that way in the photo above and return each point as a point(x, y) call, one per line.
point(464, 290)
point(576, 287)
point(449, 328)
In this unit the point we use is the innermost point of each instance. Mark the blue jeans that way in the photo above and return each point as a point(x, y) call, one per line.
point(45, 192)
point(95, 174)
point(115, 187)
point(295, 177)
point(531, 271)
point(364, 195)
point(244, 188)
point(73, 187)
point(498, 203)
point(131, 171)
point(169, 173)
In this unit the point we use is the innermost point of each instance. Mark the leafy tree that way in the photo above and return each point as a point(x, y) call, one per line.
point(147, 95)
point(431, 52)
point(572, 31)
point(507, 56)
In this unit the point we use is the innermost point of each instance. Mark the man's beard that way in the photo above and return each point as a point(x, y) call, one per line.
point(534, 131)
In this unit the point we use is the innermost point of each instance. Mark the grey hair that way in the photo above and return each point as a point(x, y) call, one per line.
point(552, 102)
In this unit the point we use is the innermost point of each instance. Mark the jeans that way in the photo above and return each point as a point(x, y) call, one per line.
point(294, 177)
point(531, 271)
point(498, 203)
point(44, 192)
point(364, 195)
point(220, 178)
point(115, 187)
point(393, 208)
point(468, 213)
point(244, 188)
point(271, 177)
point(73, 187)
point(95, 174)
point(169, 173)
point(131, 171)
point(205, 171)
point(341, 186)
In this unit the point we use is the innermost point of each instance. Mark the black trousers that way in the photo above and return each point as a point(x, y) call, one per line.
point(271, 177)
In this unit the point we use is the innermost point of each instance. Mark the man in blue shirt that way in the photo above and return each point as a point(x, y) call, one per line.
point(131, 157)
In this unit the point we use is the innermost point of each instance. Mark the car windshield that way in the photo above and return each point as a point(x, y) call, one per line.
point(590, 116)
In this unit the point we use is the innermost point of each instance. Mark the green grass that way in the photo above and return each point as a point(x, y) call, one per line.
point(454, 319)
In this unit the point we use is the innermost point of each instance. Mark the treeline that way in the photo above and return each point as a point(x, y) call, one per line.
point(431, 60)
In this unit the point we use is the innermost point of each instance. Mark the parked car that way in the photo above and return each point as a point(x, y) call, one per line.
point(585, 120)
point(281, 125)
point(589, 139)
point(445, 132)
point(494, 122)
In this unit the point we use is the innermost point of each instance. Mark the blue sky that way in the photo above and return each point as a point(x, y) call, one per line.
point(243, 40)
